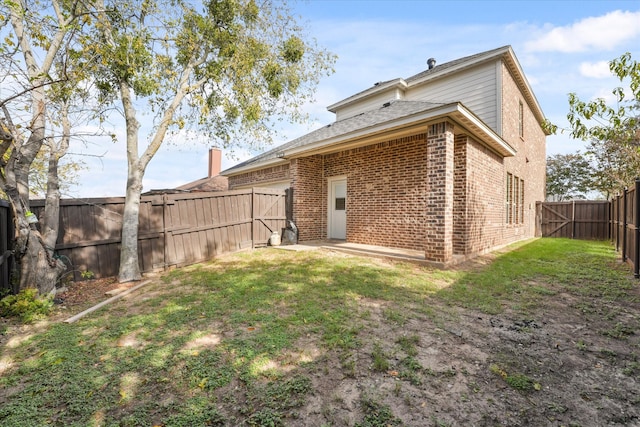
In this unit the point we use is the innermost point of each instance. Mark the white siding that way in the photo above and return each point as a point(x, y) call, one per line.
point(477, 89)
point(374, 102)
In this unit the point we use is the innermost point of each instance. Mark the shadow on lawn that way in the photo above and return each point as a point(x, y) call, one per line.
point(248, 339)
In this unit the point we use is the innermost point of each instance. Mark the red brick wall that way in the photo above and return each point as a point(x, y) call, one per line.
point(309, 205)
point(262, 176)
point(478, 198)
point(460, 183)
point(440, 184)
point(529, 163)
point(386, 191)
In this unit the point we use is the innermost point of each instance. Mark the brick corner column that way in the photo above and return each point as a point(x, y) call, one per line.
point(440, 180)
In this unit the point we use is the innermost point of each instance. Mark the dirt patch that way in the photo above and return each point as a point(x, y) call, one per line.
point(558, 367)
point(87, 292)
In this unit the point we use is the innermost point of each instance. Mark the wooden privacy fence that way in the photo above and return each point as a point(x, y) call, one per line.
point(174, 229)
point(6, 234)
point(625, 226)
point(576, 219)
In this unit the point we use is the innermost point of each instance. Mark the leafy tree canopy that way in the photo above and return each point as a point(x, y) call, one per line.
point(612, 131)
point(569, 177)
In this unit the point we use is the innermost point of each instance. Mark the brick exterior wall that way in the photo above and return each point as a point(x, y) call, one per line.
point(262, 176)
point(530, 162)
point(386, 191)
point(309, 205)
point(439, 207)
point(478, 198)
point(460, 192)
point(429, 192)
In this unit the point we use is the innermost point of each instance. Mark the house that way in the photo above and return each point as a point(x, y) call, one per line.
point(449, 162)
point(213, 181)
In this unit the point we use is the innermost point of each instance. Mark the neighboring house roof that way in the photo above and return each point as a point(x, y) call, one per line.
point(214, 183)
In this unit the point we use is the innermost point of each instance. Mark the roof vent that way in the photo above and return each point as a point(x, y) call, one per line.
point(431, 62)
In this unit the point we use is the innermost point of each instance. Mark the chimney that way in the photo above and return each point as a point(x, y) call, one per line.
point(215, 162)
point(431, 62)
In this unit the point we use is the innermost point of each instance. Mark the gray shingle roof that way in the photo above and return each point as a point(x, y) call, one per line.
point(451, 64)
point(388, 112)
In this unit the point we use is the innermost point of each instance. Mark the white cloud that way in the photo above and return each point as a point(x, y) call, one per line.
point(602, 32)
point(596, 70)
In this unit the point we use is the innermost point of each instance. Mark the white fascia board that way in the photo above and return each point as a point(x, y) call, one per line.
point(487, 135)
point(456, 111)
point(514, 65)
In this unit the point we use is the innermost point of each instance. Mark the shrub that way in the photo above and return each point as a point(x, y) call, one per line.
point(26, 305)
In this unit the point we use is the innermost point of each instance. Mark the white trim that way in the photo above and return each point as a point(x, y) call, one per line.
point(405, 126)
point(499, 112)
point(237, 170)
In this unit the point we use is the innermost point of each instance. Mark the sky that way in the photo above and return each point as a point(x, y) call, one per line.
point(563, 47)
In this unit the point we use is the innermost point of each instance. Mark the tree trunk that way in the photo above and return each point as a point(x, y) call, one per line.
point(129, 266)
point(39, 269)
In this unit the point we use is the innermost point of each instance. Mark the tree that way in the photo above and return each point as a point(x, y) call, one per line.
point(226, 71)
point(569, 177)
point(617, 164)
point(596, 120)
point(34, 58)
point(613, 132)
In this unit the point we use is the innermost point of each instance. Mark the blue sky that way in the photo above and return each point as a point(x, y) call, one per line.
point(562, 46)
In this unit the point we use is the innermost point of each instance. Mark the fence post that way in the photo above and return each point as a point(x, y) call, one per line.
point(573, 219)
point(616, 223)
point(636, 234)
point(253, 218)
point(165, 231)
point(624, 224)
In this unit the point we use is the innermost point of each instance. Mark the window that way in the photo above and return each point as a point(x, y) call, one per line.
point(520, 119)
point(514, 204)
point(521, 201)
point(340, 204)
point(509, 194)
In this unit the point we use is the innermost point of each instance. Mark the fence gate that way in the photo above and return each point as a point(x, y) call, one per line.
point(577, 219)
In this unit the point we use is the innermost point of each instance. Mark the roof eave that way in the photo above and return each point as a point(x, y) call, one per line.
point(238, 170)
point(510, 59)
point(405, 126)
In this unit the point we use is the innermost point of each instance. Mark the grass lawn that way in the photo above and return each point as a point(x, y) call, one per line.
point(544, 333)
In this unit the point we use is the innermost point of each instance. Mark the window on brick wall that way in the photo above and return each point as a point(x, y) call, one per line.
point(509, 193)
point(514, 203)
point(521, 201)
point(520, 119)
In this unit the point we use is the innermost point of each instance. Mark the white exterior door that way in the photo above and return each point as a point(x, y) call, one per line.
point(338, 209)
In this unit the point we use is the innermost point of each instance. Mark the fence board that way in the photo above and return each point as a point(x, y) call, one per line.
point(6, 258)
point(174, 229)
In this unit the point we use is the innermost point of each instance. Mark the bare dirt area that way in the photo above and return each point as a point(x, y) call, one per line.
point(574, 362)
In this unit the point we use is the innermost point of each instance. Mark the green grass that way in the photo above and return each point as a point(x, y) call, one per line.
point(583, 268)
point(228, 342)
